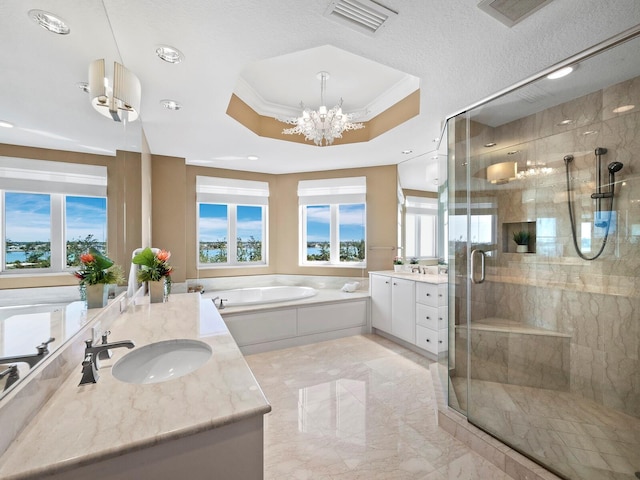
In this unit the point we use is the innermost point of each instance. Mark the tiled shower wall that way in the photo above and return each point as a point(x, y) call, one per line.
point(596, 302)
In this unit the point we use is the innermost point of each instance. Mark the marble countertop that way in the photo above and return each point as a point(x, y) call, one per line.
point(417, 277)
point(79, 425)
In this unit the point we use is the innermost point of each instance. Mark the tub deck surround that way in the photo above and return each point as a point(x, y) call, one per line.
point(323, 296)
point(82, 425)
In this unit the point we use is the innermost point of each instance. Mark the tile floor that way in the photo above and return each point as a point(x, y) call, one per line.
point(582, 439)
point(359, 407)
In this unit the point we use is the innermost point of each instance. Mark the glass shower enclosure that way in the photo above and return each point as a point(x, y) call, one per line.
point(544, 264)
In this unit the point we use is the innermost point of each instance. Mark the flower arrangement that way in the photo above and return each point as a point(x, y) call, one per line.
point(153, 266)
point(414, 261)
point(96, 268)
point(398, 261)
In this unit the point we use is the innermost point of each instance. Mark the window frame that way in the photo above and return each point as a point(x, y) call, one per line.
point(58, 233)
point(232, 236)
point(334, 237)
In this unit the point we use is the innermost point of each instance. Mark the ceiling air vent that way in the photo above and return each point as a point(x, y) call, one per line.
point(365, 16)
point(511, 12)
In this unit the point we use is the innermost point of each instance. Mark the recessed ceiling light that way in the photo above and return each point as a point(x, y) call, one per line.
point(252, 157)
point(513, 152)
point(490, 144)
point(6, 124)
point(170, 104)
point(49, 21)
point(568, 121)
point(563, 72)
point(435, 157)
point(406, 152)
point(169, 54)
point(590, 132)
point(623, 108)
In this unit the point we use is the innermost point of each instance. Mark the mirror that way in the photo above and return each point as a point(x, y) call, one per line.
point(47, 116)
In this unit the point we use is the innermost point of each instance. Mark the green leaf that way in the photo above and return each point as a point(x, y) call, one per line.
point(145, 257)
point(102, 262)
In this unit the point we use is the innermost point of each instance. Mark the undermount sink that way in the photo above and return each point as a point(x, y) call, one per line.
point(161, 361)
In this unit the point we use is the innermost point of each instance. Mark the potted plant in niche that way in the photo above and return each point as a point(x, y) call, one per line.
point(522, 241)
point(96, 272)
point(156, 271)
point(398, 263)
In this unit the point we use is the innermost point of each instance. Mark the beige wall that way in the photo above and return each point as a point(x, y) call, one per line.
point(151, 202)
point(123, 204)
point(283, 221)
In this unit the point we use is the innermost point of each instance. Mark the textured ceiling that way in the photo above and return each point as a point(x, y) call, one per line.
point(459, 53)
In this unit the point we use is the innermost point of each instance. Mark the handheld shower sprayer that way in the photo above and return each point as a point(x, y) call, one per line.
point(599, 194)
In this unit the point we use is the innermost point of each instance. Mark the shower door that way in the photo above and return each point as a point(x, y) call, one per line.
point(545, 351)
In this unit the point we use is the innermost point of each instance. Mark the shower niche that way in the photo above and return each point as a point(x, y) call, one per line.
point(510, 229)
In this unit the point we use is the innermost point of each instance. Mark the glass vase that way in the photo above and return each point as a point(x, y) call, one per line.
point(97, 295)
point(157, 291)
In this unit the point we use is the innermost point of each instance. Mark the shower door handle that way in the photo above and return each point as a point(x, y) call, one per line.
point(472, 274)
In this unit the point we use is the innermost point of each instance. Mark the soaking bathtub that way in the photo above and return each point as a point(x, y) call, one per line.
point(260, 295)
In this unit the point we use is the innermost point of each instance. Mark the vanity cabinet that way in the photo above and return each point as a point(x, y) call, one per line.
point(431, 317)
point(380, 286)
point(393, 306)
point(403, 308)
point(410, 309)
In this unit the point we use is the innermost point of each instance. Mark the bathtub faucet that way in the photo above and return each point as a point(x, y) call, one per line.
point(31, 360)
point(221, 305)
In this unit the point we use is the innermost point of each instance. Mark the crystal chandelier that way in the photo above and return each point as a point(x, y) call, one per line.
point(535, 171)
point(324, 125)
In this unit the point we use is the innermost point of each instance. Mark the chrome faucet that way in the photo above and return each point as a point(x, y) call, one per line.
point(92, 353)
point(12, 375)
point(31, 360)
point(221, 305)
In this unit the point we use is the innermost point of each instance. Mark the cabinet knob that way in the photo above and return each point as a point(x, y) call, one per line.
point(439, 318)
point(387, 282)
point(428, 340)
point(428, 294)
point(440, 295)
point(395, 283)
point(440, 341)
point(428, 318)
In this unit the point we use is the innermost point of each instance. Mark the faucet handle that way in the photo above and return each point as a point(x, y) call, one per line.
point(105, 354)
point(43, 348)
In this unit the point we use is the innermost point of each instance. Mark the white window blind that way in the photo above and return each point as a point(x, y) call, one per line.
point(332, 191)
point(231, 190)
point(42, 176)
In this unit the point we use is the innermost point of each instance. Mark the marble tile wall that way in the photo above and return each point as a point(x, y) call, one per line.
point(596, 302)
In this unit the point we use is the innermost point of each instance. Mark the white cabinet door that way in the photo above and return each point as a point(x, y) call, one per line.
point(381, 302)
point(403, 313)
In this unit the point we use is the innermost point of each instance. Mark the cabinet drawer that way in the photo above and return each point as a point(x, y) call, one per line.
point(427, 316)
point(432, 341)
point(427, 293)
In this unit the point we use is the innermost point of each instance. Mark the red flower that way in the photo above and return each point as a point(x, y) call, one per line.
point(163, 255)
point(87, 258)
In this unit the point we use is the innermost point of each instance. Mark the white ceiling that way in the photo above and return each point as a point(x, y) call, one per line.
point(459, 53)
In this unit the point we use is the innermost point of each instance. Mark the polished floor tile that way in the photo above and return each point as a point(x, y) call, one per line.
point(579, 438)
point(359, 407)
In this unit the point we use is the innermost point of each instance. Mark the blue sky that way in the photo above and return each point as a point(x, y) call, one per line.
point(351, 220)
point(28, 217)
point(214, 219)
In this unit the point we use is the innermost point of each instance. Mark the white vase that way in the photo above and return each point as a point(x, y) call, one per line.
point(398, 268)
point(97, 295)
point(157, 291)
point(522, 249)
